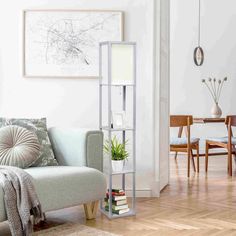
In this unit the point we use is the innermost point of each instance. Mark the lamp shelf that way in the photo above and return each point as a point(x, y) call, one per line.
point(121, 172)
point(112, 216)
point(118, 85)
point(120, 58)
point(117, 129)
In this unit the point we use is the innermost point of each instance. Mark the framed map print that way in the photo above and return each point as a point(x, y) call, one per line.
point(65, 43)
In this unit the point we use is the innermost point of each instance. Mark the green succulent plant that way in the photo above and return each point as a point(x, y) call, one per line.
point(118, 151)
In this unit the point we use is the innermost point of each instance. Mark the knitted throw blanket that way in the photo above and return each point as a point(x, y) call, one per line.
point(21, 201)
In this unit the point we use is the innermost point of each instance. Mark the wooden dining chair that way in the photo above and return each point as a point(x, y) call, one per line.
point(184, 144)
point(228, 143)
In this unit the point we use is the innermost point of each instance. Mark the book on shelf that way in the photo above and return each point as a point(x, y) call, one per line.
point(116, 203)
point(117, 198)
point(116, 208)
point(117, 212)
point(116, 190)
point(116, 194)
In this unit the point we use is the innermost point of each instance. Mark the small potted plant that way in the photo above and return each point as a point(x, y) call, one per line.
point(118, 153)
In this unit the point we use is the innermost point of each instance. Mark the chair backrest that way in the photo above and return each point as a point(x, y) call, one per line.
point(230, 120)
point(181, 120)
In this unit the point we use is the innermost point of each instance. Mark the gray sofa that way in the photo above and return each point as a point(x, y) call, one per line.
point(78, 179)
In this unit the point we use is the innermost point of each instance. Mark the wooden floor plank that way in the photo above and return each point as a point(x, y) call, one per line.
point(204, 204)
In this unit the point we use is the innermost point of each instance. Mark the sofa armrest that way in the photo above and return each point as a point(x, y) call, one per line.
point(77, 147)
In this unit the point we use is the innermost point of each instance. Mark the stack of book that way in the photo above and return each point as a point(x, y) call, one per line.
point(119, 202)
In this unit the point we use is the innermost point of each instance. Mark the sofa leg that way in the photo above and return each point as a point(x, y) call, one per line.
point(90, 210)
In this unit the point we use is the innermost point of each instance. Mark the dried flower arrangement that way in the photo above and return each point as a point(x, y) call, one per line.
point(215, 87)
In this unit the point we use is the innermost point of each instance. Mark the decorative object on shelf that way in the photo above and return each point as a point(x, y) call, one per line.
point(118, 153)
point(117, 69)
point(64, 43)
point(215, 88)
point(198, 54)
point(118, 119)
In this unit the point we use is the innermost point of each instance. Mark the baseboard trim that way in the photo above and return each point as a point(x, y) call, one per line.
point(139, 193)
point(154, 192)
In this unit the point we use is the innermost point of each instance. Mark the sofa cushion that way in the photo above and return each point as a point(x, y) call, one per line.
point(77, 147)
point(18, 146)
point(182, 141)
point(222, 139)
point(64, 186)
point(39, 127)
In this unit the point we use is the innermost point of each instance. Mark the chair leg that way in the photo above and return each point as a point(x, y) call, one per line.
point(192, 159)
point(176, 154)
point(230, 161)
point(206, 157)
point(198, 158)
point(189, 156)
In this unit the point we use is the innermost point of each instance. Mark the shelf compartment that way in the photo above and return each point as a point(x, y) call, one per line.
point(131, 212)
point(123, 172)
point(120, 172)
point(118, 85)
point(117, 129)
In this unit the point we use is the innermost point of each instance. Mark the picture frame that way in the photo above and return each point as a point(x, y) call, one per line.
point(64, 43)
point(118, 119)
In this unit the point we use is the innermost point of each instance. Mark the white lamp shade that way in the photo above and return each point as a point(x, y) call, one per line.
point(122, 66)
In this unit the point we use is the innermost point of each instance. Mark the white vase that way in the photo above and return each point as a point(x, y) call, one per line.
point(117, 166)
point(216, 112)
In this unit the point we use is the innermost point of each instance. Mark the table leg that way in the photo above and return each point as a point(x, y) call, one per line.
point(206, 157)
point(198, 167)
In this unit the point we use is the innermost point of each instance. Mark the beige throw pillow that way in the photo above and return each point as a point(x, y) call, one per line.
point(18, 146)
point(38, 127)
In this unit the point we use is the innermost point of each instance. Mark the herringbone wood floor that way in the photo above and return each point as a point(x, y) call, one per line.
point(201, 205)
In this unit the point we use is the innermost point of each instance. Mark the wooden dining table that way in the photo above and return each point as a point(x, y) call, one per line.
point(208, 120)
point(201, 120)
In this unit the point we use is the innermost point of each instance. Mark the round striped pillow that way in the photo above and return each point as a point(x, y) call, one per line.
point(18, 146)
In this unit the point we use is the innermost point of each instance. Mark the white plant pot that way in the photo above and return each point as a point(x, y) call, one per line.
point(216, 112)
point(117, 166)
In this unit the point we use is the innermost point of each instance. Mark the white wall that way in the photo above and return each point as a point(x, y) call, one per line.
point(74, 102)
point(218, 39)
